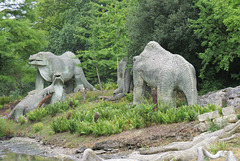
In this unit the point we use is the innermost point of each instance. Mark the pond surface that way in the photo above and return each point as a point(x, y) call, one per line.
point(9, 156)
point(24, 149)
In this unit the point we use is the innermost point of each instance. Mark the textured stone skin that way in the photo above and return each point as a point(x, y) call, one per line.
point(31, 102)
point(48, 64)
point(165, 71)
point(123, 78)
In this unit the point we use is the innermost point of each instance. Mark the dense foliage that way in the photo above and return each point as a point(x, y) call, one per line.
point(219, 28)
point(113, 117)
point(18, 40)
point(205, 32)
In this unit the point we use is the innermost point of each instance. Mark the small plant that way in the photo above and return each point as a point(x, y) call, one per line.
point(213, 126)
point(52, 109)
point(22, 120)
point(129, 96)
point(238, 116)
point(36, 115)
point(6, 128)
point(218, 146)
point(37, 127)
point(59, 125)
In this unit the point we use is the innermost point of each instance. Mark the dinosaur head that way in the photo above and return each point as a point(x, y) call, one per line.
point(39, 59)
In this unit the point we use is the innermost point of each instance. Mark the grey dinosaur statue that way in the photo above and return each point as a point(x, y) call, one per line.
point(123, 77)
point(31, 102)
point(123, 80)
point(165, 71)
point(48, 64)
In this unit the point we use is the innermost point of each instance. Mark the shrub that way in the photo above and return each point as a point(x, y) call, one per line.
point(37, 127)
point(52, 109)
point(84, 128)
point(59, 125)
point(5, 100)
point(36, 115)
point(22, 119)
point(129, 96)
point(116, 117)
point(72, 125)
point(6, 128)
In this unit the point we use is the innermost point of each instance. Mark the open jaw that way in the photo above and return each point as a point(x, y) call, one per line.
point(36, 62)
point(58, 78)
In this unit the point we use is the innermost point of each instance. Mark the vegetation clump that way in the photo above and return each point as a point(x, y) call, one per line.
point(117, 117)
point(6, 128)
point(37, 127)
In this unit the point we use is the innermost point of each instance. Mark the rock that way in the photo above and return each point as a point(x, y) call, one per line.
point(98, 152)
point(223, 121)
point(209, 115)
point(237, 110)
point(231, 118)
point(114, 151)
point(212, 98)
point(106, 145)
point(202, 127)
point(81, 150)
point(230, 156)
point(224, 97)
point(89, 155)
point(228, 110)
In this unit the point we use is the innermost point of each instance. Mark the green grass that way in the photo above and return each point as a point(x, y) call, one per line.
point(116, 117)
point(6, 127)
point(61, 119)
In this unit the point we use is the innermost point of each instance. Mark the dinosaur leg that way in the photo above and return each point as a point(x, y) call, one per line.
point(81, 81)
point(69, 86)
point(139, 87)
point(165, 91)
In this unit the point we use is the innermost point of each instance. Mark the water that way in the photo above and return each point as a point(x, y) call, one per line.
point(23, 149)
point(9, 156)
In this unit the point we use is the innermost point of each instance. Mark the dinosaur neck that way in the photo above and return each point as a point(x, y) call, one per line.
point(58, 94)
point(45, 72)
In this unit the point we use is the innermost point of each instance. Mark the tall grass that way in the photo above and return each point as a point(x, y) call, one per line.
point(6, 127)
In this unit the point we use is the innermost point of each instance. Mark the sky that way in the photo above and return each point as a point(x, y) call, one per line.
point(6, 3)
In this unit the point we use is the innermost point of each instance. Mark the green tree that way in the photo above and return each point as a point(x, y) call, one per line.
point(166, 22)
point(218, 26)
point(18, 40)
point(105, 38)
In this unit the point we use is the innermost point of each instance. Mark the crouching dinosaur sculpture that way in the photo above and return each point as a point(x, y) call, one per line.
point(32, 102)
point(48, 64)
point(165, 71)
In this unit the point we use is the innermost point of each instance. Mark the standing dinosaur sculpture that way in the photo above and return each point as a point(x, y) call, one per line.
point(48, 64)
point(165, 71)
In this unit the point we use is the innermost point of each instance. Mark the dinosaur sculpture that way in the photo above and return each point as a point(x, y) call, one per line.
point(48, 64)
point(31, 102)
point(165, 71)
point(123, 80)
